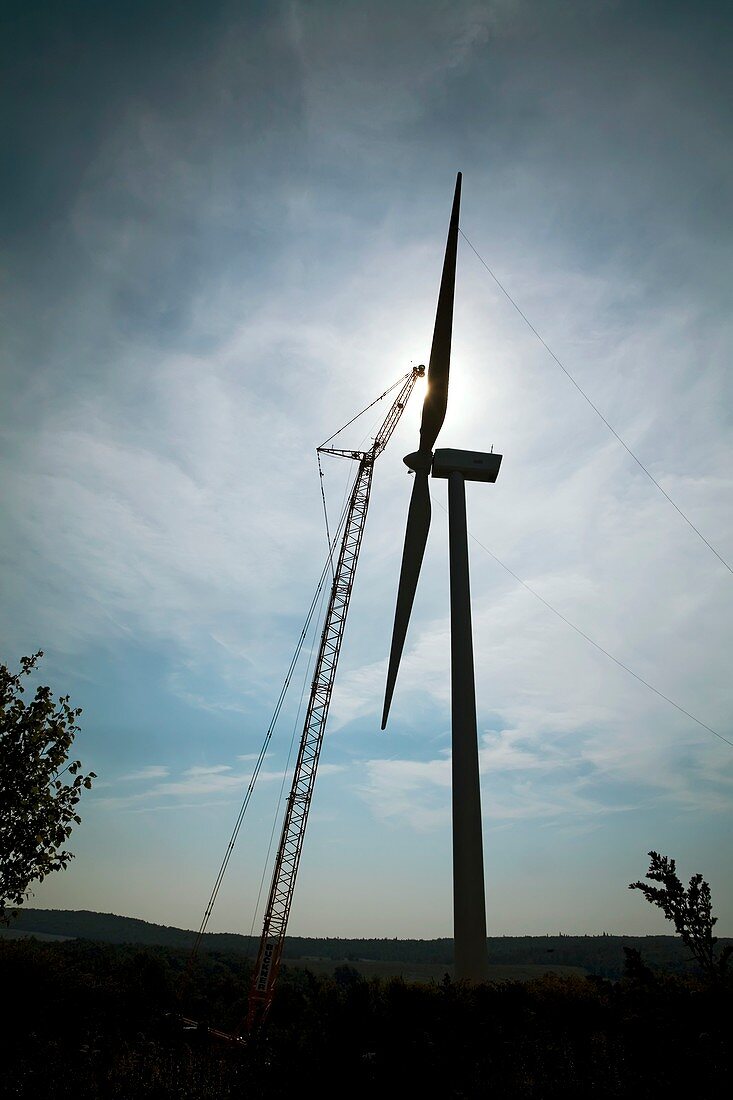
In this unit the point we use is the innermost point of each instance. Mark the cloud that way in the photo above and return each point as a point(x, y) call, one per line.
point(216, 769)
point(153, 771)
point(239, 248)
point(518, 784)
point(198, 783)
point(415, 792)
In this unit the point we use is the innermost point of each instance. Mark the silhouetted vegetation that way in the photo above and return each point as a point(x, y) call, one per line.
point(602, 955)
point(37, 806)
point(690, 910)
point(102, 1020)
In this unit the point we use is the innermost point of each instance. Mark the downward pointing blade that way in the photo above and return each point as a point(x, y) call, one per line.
point(416, 536)
point(436, 399)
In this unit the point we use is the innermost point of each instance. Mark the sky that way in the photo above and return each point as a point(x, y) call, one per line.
point(222, 233)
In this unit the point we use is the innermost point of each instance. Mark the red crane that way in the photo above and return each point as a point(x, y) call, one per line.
point(304, 777)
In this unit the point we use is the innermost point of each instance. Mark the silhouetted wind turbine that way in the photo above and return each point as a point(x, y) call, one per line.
point(469, 904)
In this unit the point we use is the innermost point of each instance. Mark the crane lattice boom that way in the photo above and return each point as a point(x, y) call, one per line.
point(304, 776)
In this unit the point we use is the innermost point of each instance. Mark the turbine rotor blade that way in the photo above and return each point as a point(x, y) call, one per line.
point(436, 398)
point(433, 415)
point(416, 536)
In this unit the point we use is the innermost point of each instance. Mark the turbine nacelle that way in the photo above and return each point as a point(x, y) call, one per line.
point(471, 465)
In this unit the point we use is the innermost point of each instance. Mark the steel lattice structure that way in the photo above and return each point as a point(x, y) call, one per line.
point(304, 776)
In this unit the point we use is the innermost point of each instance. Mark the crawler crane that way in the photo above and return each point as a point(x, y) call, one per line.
point(304, 777)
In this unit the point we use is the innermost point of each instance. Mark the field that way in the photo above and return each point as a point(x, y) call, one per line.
point(426, 972)
point(512, 957)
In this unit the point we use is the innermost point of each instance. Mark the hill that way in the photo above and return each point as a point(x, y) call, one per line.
point(602, 955)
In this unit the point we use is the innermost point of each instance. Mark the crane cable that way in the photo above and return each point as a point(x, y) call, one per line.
point(265, 744)
point(325, 513)
point(588, 638)
point(286, 769)
point(321, 446)
point(403, 378)
point(595, 408)
point(328, 567)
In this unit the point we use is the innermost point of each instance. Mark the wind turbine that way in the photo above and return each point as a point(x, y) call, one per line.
point(469, 904)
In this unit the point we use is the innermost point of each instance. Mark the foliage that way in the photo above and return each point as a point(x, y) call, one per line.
point(635, 969)
point(601, 955)
point(689, 909)
point(37, 808)
point(97, 1020)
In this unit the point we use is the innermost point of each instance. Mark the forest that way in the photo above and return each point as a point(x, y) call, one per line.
point(602, 955)
point(96, 1019)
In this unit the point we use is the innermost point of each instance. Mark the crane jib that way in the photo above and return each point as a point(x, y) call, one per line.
point(304, 776)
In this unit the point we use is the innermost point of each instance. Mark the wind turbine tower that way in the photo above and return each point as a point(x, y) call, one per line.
point(457, 467)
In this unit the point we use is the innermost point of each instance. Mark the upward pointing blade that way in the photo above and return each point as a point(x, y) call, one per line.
point(436, 399)
point(433, 415)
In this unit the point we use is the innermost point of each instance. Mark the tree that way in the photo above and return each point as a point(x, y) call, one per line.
point(635, 969)
point(690, 910)
point(37, 808)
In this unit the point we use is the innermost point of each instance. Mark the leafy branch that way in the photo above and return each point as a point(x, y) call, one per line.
point(37, 810)
point(689, 909)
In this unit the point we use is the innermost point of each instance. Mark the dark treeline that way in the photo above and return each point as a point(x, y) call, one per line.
point(602, 955)
point(101, 1020)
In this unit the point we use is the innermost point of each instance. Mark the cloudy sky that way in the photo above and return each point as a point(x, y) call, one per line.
point(223, 226)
